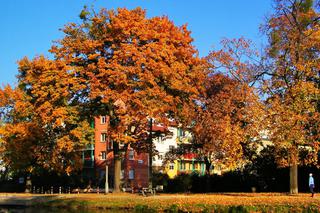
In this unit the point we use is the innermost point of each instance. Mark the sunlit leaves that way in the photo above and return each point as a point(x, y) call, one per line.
point(231, 118)
point(148, 64)
point(293, 87)
point(43, 129)
point(116, 63)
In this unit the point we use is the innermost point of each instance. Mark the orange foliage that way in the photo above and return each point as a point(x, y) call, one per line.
point(293, 88)
point(231, 118)
point(42, 129)
point(147, 64)
point(232, 113)
point(115, 63)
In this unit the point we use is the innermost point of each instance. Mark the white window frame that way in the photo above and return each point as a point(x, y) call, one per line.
point(103, 119)
point(103, 137)
point(131, 154)
point(131, 174)
point(103, 155)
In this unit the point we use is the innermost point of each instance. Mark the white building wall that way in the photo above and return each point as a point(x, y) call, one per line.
point(163, 144)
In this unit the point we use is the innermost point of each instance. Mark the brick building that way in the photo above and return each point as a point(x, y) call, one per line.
point(134, 166)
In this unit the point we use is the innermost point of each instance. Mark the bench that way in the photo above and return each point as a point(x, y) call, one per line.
point(128, 189)
point(146, 191)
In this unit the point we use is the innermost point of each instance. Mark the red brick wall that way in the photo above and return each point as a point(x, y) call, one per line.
point(140, 166)
point(139, 163)
point(98, 145)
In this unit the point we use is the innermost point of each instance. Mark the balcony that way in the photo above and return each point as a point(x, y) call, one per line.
point(88, 164)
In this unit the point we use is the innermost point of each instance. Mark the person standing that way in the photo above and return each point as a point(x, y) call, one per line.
point(311, 184)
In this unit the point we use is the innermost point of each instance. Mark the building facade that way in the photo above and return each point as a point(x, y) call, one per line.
point(134, 165)
point(172, 138)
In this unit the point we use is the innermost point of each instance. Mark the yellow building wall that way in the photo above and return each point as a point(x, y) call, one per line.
point(187, 168)
point(172, 172)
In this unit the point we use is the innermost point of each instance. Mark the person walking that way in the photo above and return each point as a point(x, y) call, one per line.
point(311, 184)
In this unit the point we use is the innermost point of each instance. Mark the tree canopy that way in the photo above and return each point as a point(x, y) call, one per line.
point(147, 64)
point(115, 63)
point(292, 82)
point(136, 69)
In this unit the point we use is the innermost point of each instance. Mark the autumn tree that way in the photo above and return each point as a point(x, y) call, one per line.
point(231, 113)
point(42, 128)
point(11, 113)
point(228, 121)
point(292, 83)
point(131, 68)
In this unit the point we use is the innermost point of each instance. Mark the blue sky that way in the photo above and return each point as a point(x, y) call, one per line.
point(28, 27)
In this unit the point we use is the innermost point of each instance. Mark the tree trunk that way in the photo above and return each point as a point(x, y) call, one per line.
point(28, 184)
point(150, 170)
point(208, 165)
point(150, 154)
point(294, 178)
point(117, 167)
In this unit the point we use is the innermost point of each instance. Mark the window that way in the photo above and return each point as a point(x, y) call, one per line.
point(103, 137)
point(87, 155)
point(196, 166)
point(103, 155)
point(160, 157)
point(182, 165)
point(171, 166)
point(102, 174)
point(181, 133)
point(131, 155)
point(131, 174)
point(171, 148)
point(121, 145)
point(103, 119)
point(203, 167)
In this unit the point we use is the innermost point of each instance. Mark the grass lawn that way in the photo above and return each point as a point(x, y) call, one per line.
point(224, 202)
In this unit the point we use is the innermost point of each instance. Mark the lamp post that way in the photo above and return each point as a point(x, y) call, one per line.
point(106, 186)
point(107, 181)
